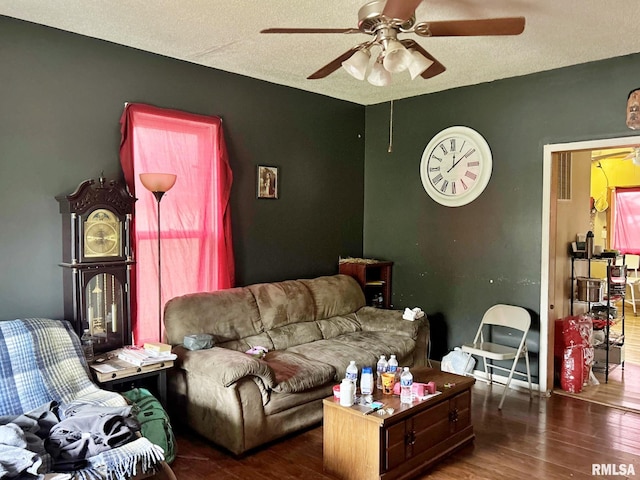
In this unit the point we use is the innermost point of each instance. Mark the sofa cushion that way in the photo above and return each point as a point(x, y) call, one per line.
point(337, 354)
point(226, 314)
point(334, 326)
point(382, 343)
point(295, 373)
point(244, 344)
point(282, 303)
point(335, 295)
point(294, 334)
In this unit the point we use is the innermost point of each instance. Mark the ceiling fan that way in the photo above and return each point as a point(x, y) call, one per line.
point(384, 20)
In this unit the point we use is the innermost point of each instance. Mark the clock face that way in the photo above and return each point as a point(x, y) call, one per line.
point(456, 166)
point(102, 234)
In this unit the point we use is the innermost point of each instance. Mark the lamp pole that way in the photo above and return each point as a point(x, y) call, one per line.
point(158, 184)
point(159, 196)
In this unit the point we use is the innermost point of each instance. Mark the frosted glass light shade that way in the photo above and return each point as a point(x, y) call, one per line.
point(379, 76)
point(396, 58)
point(158, 182)
point(419, 63)
point(356, 65)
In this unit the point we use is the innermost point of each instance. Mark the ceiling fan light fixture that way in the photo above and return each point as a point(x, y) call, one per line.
point(419, 63)
point(396, 58)
point(356, 65)
point(379, 76)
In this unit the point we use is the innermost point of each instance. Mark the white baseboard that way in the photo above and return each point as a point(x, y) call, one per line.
point(516, 383)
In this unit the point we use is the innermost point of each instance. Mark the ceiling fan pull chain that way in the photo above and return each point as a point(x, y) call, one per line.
point(390, 149)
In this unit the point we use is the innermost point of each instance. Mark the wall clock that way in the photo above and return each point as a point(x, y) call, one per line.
point(456, 166)
point(97, 260)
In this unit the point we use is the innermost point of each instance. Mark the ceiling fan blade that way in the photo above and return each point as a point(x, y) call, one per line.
point(436, 69)
point(619, 153)
point(333, 65)
point(480, 27)
point(400, 9)
point(310, 30)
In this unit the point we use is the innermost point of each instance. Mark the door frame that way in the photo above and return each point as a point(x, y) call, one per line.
point(547, 262)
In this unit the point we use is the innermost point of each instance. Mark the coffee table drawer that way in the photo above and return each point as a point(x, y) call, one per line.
point(417, 434)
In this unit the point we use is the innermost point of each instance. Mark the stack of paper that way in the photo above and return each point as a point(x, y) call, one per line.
point(140, 356)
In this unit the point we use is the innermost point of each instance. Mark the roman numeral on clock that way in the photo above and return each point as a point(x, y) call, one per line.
point(435, 180)
point(444, 186)
point(470, 175)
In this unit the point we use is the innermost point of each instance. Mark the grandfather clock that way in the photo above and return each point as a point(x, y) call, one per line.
point(97, 261)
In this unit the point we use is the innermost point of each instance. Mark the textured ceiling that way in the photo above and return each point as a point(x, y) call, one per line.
point(225, 35)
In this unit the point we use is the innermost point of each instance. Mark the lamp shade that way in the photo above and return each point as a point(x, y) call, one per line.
point(158, 182)
point(396, 58)
point(379, 76)
point(357, 64)
point(419, 63)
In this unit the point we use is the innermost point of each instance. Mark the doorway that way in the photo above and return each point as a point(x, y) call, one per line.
point(554, 259)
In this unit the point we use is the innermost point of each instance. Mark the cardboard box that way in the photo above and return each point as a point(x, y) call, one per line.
point(616, 355)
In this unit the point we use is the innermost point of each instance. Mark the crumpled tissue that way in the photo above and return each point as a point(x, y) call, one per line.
point(412, 314)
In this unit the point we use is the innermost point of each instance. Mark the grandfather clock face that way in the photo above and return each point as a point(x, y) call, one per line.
point(102, 234)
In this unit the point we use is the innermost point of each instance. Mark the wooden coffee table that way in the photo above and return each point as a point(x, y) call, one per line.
point(399, 445)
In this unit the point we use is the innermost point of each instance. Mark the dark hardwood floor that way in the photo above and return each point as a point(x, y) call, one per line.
point(546, 438)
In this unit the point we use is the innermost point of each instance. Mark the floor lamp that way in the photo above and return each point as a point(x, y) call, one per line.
point(158, 184)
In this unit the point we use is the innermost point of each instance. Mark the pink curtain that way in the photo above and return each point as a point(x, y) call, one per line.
point(626, 230)
point(197, 253)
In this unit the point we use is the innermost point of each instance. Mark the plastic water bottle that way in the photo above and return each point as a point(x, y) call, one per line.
point(352, 376)
point(393, 364)
point(346, 393)
point(87, 345)
point(381, 367)
point(406, 384)
point(366, 381)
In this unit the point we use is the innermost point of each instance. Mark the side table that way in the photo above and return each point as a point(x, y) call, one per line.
point(113, 371)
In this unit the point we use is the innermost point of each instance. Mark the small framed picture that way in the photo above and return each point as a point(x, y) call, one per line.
point(267, 182)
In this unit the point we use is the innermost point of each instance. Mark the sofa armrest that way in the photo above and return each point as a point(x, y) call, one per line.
point(224, 366)
point(381, 320)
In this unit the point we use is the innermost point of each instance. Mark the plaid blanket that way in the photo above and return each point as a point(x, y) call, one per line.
point(41, 361)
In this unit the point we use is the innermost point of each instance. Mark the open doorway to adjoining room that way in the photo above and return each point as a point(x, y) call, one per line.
point(579, 185)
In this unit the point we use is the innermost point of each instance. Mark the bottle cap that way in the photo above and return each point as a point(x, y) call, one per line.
point(366, 369)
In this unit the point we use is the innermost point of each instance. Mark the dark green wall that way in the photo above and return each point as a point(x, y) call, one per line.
point(62, 97)
point(456, 262)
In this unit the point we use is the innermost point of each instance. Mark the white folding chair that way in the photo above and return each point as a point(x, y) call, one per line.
point(518, 320)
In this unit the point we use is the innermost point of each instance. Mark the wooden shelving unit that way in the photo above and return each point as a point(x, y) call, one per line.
point(374, 277)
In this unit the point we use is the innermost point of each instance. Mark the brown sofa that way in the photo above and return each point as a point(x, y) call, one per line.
point(312, 329)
